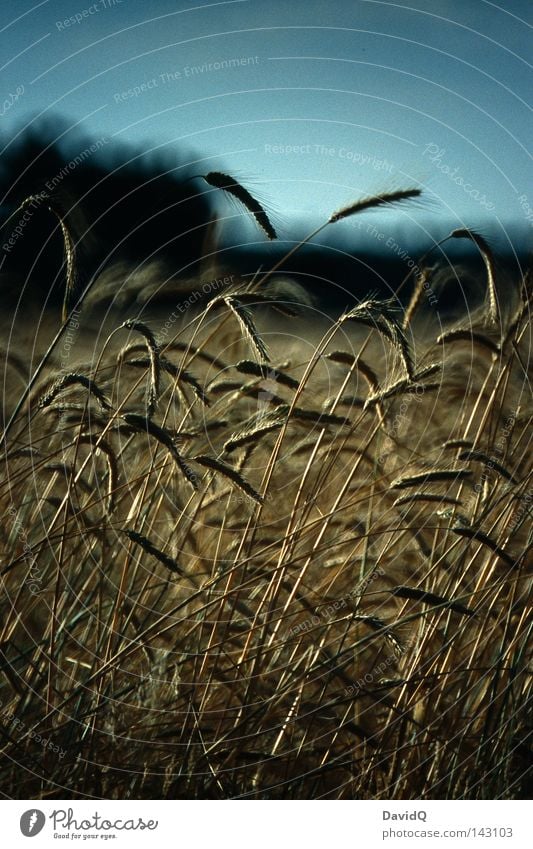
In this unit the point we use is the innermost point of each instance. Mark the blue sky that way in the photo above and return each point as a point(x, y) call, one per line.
point(311, 104)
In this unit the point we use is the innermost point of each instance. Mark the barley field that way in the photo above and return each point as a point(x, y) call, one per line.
point(253, 550)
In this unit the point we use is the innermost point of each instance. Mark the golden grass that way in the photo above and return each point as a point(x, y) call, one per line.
point(310, 582)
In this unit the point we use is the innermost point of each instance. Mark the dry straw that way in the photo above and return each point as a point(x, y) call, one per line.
point(324, 630)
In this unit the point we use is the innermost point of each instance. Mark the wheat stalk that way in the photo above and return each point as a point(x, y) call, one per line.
point(372, 202)
point(431, 476)
point(431, 599)
point(230, 185)
point(68, 243)
point(148, 546)
point(267, 373)
point(71, 379)
point(230, 473)
point(421, 281)
point(260, 425)
point(244, 317)
point(463, 335)
point(98, 442)
point(488, 258)
point(177, 373)
point(142, 424)
point(155, 363)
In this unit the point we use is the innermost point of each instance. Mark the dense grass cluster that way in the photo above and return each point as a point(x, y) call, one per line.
point(271, 556)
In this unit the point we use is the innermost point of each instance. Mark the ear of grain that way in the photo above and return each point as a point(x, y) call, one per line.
point(288, 308)
point(143, 424)
point(70, 264)
point(155, 364)
point(71, 379)
point(244, 317)
point(401, 388)
point(100, 444)
point(259, 426)
point(378, 624)
point(432, 599)
point(230, 185)
point(431, 476)
point(220, 387)
point(488, 258)
point(357, 363)
point(344, 401)
point(148, 546)
point(176, 372)
point(421, 281)
point(430, 497)
point(386, 199)
point(267, 373)
point(257, 390)
point(477, 535)
point(230, 473)
point(480, 457)
point(381, 316)
point(463, 335)
point(318, 417)
point(68, 244)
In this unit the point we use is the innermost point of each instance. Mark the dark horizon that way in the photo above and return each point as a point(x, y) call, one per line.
point(124, 205)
